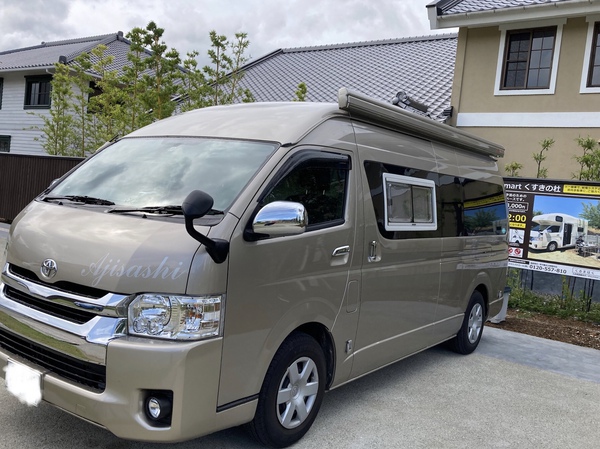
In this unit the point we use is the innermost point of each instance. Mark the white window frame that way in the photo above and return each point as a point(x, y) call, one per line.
point(419, 226)
point(587, 59)
point(555, 58)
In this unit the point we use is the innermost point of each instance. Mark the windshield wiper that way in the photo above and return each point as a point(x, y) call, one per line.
point(80, 199)
point(170, 210)
point(166, 210)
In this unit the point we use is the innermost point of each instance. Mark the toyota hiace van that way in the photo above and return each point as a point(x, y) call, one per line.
point(231, 264)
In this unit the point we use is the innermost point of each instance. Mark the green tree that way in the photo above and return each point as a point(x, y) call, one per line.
point(238, 50)
point(81, 118)
point(512, 169)
point(193, 84)
point(219, 82)
point(591, 213)
point(589, 161)
point(106, 106)
point(540, 157)
point(136, 114)
point(301, 92)
point(57, 132)
point(222, 77)
point(160, 85)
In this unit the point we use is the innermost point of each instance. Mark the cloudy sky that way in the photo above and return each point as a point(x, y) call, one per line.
point(270, 24)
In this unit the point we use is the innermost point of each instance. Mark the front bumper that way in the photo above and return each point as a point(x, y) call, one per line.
point(134, 366)
point(116, 373)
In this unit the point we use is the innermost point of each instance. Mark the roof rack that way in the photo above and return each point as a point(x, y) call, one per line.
point(363, 106)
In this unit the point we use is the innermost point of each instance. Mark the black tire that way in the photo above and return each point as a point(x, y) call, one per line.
point(552, 246)
point(469, 335)
point(298, 370)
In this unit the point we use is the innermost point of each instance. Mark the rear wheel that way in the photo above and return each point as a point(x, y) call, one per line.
point(292, 392)
point(469, 335)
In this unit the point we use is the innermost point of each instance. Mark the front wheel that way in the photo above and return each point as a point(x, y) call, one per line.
point(552, 246)
point(469, 335)
point(292, 392)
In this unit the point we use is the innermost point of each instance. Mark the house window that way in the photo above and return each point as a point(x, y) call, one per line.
point(528, 59)
point(409, 203)
point(37, 91)
point(594, 70)
point(4, 144)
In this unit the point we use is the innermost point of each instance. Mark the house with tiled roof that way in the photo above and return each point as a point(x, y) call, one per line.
point(526, 70)
point(25, 76)
point(421, 67)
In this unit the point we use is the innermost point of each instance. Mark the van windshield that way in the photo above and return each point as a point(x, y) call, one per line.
point(154, 172)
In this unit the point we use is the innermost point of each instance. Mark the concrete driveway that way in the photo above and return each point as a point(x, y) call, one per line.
point(515, 391)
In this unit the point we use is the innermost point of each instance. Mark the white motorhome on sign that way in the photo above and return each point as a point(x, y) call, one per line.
point(554, 231)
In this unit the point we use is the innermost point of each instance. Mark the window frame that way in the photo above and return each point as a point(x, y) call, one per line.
point(297, 161)
point(29, 82)
point(593, 27)
point(5, 139)
point(412, 182)
point(505, 31)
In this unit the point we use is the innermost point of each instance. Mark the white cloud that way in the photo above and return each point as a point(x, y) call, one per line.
point(270, 24)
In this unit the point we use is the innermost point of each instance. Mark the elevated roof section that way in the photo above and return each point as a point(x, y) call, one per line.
point(289, 122)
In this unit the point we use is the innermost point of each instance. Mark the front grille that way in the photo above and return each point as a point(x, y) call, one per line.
point(68, 287)
point(49, 307)
point(78, 371)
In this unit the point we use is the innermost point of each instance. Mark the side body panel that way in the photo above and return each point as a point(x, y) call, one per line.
point(281, 283)
point(400, 279)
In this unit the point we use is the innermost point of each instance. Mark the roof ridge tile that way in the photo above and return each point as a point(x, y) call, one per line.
point(79, 40)
point(430, 37)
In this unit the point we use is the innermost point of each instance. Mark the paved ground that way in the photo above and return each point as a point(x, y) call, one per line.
point(515, 391)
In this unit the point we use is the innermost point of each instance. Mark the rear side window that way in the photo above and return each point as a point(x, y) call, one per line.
point(409, 203)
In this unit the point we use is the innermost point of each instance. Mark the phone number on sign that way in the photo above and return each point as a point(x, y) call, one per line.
point(548, 268)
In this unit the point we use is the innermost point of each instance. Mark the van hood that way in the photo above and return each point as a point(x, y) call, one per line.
point(111, 252)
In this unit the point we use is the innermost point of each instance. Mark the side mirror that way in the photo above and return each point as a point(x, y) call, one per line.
point(280, 218)
point(196, 205)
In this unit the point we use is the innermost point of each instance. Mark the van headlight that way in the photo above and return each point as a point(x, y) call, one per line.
point(176, 317)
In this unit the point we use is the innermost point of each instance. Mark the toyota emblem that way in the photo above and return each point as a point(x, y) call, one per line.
point(49, 268)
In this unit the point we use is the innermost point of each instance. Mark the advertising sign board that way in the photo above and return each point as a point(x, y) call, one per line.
point(554, 226)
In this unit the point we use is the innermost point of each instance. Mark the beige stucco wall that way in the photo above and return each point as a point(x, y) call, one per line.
point(473, 92)
point(521, 143)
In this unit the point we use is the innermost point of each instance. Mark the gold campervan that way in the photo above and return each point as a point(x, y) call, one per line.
point(231, 264)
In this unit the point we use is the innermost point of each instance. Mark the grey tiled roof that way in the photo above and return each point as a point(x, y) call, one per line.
point(47, 53)
point(423, 67)
point(466, 6)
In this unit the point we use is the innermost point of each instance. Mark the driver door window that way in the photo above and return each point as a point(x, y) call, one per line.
point(319, 184)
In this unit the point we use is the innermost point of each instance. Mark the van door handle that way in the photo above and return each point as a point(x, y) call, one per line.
point(373, 257)
point(341, 251)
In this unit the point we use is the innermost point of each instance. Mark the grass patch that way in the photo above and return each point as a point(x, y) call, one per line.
point(568, 304)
